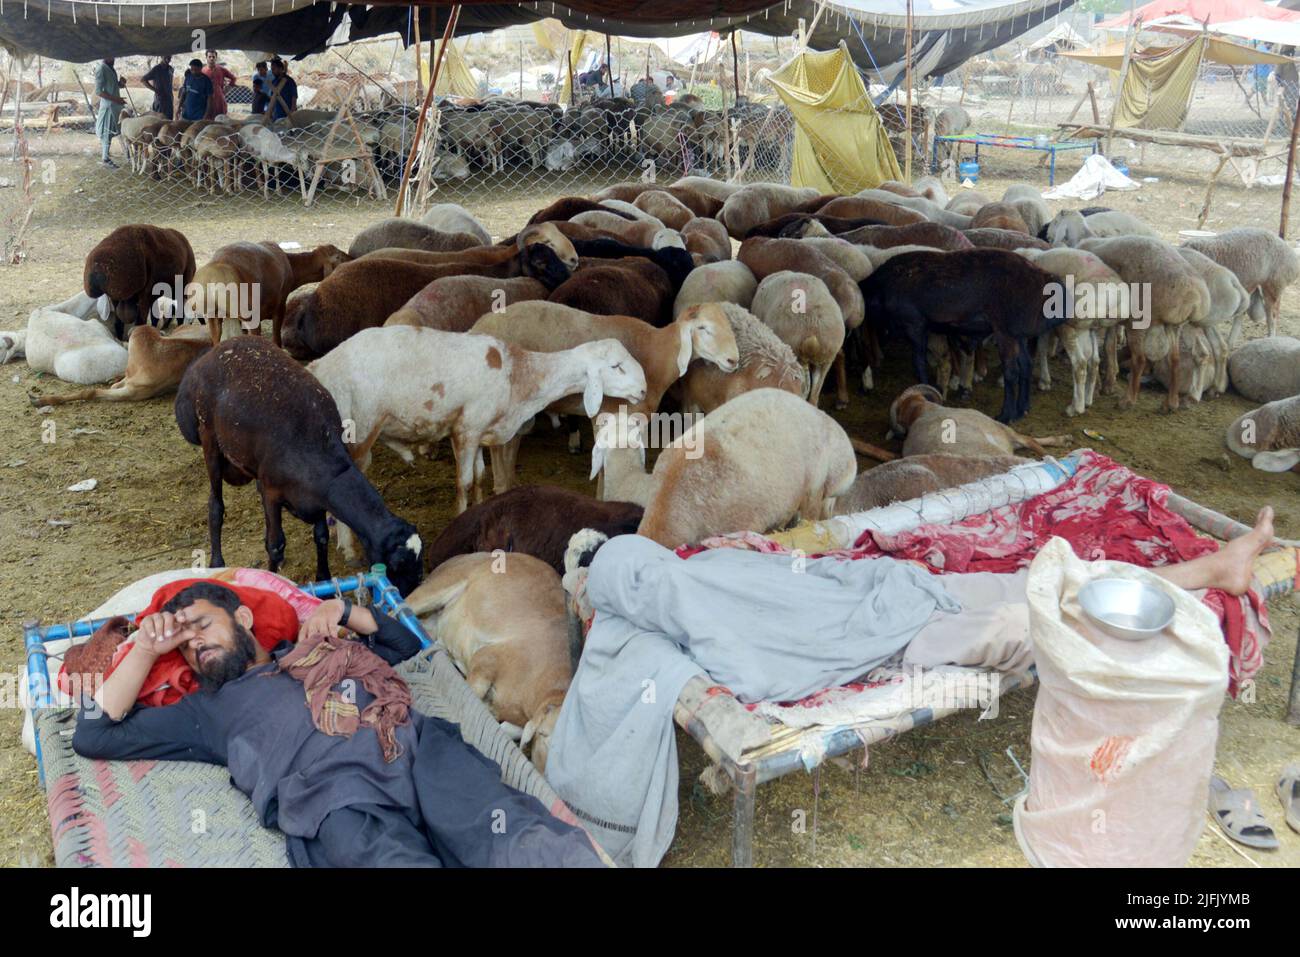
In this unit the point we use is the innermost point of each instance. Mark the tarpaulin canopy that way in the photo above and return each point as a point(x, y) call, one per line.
point(454, 76)
point(947, 32)
point(1111, 55)
point(840, 145)
point(1157, 89)
point(1281, 32)
point(1215, 11)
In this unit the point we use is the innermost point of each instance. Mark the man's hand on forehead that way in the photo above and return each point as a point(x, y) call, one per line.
point(164, 631)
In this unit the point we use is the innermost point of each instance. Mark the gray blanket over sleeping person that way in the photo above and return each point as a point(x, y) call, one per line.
point(768, 627)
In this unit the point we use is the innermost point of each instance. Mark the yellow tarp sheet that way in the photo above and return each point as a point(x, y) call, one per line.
point(840, 145)
point(1158, 90)
point(1111, 56)
point(574, 57)
point(454, 78)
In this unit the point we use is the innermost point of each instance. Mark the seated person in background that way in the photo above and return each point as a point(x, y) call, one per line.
point(196, 91)
point(643, 89)
point(321, 735)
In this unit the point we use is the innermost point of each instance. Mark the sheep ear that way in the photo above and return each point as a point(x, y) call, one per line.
point(1278, 460)
point(684, 351)
point(529, 730)
point(597, 460)
point(592, 396)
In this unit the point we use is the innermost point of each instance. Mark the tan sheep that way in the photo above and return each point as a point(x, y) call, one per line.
point(803, 314)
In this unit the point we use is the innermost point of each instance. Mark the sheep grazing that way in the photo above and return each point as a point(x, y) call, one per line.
point(249, 282)
point(68, 340)
point(990, 237)
point(1229, 302)
point(259, 415)
point(1265, 264)
point(728, 281)
point(882, 211)
point(971, 293)
point(1197, 364)
point(454, 303)
point(396, 233)
point(905, 479)
point(720, 477)
point(1269, 436)
point(1070, 227)
point(451, 219)
point(133, 266)
point(803, 314)
point(536, 520)
point(707, 238)
point(999, 216)
point(1028, 202)
point(155, 365)
point(506, 623)
point(363, 294)
point(927, 426)
point(475, 390)
point(751, 205)
point(1099, 300)
point(1175, 294)
point(934, 235)
point(1266, 370)
point(765, 363)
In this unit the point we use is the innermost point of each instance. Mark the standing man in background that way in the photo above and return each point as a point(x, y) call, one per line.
point(108, 94)
point(222, 79)
point(196, 92)
point(261, 87)
point(159, 80)
point(284, 91)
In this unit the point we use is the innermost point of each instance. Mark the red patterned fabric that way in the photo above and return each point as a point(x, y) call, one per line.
point(1105, 512)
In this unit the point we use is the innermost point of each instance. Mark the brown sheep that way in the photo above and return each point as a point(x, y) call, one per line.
point(694, 200)
point(905, 479)
point(935, 235)
point(665, 207)
point(707, 238)
point(455, 303)
point(154, 366)
point(864, 207)
point(132, 265)
point(400, 233)
point(566, 207)
point(621, 287)
point(999, 216)
point(990, 237)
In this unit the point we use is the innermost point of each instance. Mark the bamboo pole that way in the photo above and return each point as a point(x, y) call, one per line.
point(907, 154)
point(735, 66)
point(424, 110)
point(1290, 172)
point(609, 66)
point(419, 81)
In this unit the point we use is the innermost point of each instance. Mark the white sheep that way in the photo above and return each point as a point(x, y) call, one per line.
point(753, 464)
point(1070, 227)
point(618, 460)
point(1198, 364)
point(1269, 436)
point(1266, 370)
point(61, 341)
point(269, 151)
point(726, 281)
point(419, 386)
point(623, 206)
point(757, 203)
point(714, 188)
point(805, 316)
point(1265, 264)
point(454, 218)
point(1028, 201)
point(1229, 302)
point(852, 259)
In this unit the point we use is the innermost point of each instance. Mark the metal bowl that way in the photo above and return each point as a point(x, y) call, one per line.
point(1126, 609)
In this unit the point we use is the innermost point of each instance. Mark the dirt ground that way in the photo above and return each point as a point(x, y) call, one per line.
point(923, 800)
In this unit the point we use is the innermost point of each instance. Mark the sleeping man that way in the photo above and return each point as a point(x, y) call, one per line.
point(321, 736)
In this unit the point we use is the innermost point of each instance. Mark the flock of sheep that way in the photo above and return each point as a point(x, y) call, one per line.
point(228, 154)
point(609, 308)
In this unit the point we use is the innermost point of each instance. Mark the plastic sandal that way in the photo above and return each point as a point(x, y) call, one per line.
point(1237, 813)
point(1288, 792)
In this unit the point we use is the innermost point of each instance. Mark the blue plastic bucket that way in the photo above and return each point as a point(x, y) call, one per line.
point(969, 170)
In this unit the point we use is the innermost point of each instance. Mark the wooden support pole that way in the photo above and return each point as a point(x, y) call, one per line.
point(568, 56)
point(907, 146)
point(419, 80)
point(609, 66)
point(424, 110)
point(1290, 172)
point(735, 66)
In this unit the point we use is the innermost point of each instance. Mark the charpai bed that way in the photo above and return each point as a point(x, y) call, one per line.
point(184, 814)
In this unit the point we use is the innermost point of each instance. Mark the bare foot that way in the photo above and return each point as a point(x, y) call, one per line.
point(1236, 559)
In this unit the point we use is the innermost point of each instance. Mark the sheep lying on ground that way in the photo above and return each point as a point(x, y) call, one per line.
point(455, 303)
point(396, 233)
point(504, 621)
point(68, 340)
point(930, 427)
point(1269, 436)
point(155, 365)
point(905, 479)
point(765, 363)
point(1266, 370)
point(801, 311)
point(1265, 264)
point(722, 475)
point(728, 281)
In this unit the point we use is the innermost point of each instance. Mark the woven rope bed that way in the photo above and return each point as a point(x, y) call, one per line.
point(186, 814)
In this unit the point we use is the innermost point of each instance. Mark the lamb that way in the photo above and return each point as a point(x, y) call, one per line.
point(364, 293)
point(536, 520)
point(133, 265)
point(1229, 302)
point(506, 623)
point(259, 415)
point(1269, 436)
point(999, 216)
point(155, 365)
point(765, 363)
point(249, 282)
point(707, 238)
point(1265, 264)
point(475, 390)
point(718, 477)
point(728, 281)
point(990, 237)
point(396, 233)
point(972, 294)
point(801, 311)
point(750, 205)
point(701, 332)
point(910, 478)
point(61, 341)
point(934, 235)
point(452, 219)
point(1070, 227)
point(454, 303)
point(1028, 201)
point(1097, 301)
point(927, 426)
point(1176, 295)
point(1266, 370)
point(1198, 363)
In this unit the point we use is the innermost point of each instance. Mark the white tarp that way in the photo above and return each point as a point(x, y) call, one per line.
point(1094, 178)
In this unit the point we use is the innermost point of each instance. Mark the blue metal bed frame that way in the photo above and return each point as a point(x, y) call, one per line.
point(1012, 143)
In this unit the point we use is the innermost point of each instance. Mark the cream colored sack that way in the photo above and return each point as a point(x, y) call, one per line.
point(1124, 731)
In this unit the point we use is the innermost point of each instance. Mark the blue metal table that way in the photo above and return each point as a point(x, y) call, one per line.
point(1012, 143)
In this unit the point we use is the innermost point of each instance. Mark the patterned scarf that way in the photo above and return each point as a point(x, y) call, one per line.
point(322, 663)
